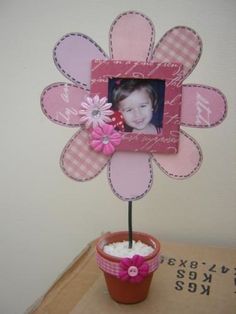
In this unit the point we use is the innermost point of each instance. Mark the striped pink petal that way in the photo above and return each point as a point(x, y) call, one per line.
point(73, 54)
point(130, 175)
point(183, 164)
point(202, 106)
point(79, 161)
point(61, 103)
point(131, 37)
point(180, 44)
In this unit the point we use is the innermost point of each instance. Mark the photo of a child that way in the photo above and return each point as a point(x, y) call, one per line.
point(140, 101)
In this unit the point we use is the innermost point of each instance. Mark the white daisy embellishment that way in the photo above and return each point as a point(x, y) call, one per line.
point(95, 112)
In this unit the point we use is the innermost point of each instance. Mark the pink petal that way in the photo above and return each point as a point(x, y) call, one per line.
point(115, 139)
point(107, 129)
point(183, 164)
point(73, 54)
point(97, 133)
point(137, 260)
point(97, 145)
point(136, 279)
point(79, 161)
point(108, 149)
point(131, 37)
point(202, 106)
point(126, 263)
point(123, 275)
point(180, 44)
point(130, 175)
point(61, 103)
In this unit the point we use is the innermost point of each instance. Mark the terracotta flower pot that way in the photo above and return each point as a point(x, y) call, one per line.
point(128, 280)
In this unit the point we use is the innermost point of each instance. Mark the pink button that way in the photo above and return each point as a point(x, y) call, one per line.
point(133, 271)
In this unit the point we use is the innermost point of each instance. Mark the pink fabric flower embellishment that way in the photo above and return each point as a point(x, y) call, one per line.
point(104, 139)
point(95, 112)
point(133, 269)
point(131, 38)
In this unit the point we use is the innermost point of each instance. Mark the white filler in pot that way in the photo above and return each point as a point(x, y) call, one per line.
point(121, 249)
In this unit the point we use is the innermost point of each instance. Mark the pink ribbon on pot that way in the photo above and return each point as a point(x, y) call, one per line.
point(133, 269)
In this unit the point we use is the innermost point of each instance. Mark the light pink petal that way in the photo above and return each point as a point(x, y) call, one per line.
point(73, 54)
point(85, 106)
point(61, 103)
point(106, 119)
point(103, 102)
point(202, 106)
point(79, 161)
point(131, 37)
point(182, 45)
point(183, 164)
point(130, 175)
point(106, 106)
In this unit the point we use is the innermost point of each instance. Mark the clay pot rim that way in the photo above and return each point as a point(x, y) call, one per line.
point(100, 251)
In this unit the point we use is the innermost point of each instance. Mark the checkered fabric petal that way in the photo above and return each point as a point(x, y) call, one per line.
point(113, 268)
point(179, 44)
point(79, 161)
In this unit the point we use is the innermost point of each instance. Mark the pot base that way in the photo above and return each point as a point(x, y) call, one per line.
point(126, 292)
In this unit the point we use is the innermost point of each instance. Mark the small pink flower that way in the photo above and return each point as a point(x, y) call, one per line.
point(95, 112)
point(104, 139)
point(133, 269)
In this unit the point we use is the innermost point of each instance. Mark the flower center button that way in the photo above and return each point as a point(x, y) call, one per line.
point(133, 271)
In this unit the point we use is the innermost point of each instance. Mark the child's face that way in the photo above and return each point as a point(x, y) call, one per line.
point(137, 109)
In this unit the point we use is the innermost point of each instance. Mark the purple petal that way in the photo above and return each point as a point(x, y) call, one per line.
point(79, 161)
point(130, 174)
point(73, 54)
point(202, 106)
point(61, 103)
point(131, 37)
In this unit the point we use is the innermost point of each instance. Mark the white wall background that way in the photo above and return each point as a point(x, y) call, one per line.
point(46, 218)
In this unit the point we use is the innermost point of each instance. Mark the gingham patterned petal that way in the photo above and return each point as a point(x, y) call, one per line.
point(180, 44)
point(79, 161)
point(61, 103)
point(131, 37)
point(183, 164)
point(73, 54)
point(202, 106)
point(130, 175)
